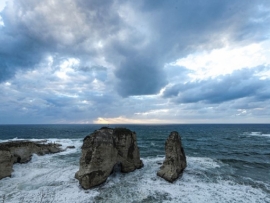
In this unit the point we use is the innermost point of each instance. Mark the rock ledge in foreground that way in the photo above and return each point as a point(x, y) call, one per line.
point(175, 160)
point(21, 152)
point(102, 150)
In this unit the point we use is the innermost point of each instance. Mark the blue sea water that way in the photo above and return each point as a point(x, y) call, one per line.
point(226, 163)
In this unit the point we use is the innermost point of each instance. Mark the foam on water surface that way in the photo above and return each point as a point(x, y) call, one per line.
point(144, 186)
point(260, 134)
point(50, 178)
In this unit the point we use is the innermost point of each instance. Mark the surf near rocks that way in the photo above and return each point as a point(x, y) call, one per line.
point(104, 149)
point(21, 152)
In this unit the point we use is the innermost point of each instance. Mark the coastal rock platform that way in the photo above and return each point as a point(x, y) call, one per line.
point(21, 152)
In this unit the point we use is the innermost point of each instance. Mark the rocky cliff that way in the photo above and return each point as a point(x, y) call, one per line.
point(175, 160)
point(21, 152)
point(104, 149)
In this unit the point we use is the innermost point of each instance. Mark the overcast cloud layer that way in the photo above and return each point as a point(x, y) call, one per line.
point(104, 61)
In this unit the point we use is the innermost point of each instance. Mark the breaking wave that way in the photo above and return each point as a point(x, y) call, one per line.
point(50, 178)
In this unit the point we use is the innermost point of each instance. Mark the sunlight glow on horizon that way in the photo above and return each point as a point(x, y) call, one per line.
point(124, 120)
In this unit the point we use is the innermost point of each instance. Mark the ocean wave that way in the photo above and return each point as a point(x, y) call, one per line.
point(256, 134)
point(51, 177)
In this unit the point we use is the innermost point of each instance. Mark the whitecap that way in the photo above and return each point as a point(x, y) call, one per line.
point(202, 162)
point(265, 135)
point(257, 134)
point(144, 186)
point(51, 177)
point(153, 144)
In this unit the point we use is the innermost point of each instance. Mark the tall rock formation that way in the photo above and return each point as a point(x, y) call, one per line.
point(175, 160)
point(104, 149)
point(21, 152)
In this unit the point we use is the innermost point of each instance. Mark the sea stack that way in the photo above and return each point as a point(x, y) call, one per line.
point(21, 152)
point(175, 160)
point(102, 150)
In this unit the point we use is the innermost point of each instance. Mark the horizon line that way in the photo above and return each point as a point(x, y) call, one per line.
point(128, 123)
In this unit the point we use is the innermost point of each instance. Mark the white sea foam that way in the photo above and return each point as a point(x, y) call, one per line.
point(257, 134)
point(265, 135)
point(153, 144)
point(202, 163)
point(51, 178)
point(144, 186)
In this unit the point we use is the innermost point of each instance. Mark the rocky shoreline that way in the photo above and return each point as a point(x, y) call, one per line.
point(21, 152)
point(102, 151)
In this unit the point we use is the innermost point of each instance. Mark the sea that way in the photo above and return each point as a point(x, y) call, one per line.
point(225, 163)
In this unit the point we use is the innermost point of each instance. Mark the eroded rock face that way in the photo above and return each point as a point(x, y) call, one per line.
point(6, 163)
point(98, 158)
point(128, 151)
point(175, 160)
point(102, 150)
point(21, 152)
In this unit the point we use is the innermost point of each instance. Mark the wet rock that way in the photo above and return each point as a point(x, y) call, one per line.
point(70, 147)
point(104, 149)
point(6, 162)
point(21, 152)
point(175, 160)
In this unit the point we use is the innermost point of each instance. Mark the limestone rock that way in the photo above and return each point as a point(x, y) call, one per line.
point(6, 163)
point(128, 151)
point(98, 158)
point(21, 152)
point(104, 149)
point(70, 147)
point(175, 160)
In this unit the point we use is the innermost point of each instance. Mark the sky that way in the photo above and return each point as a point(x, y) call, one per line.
point(143, 62)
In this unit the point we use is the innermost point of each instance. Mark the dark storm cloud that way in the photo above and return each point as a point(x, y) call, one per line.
point(17, 51)
point(183, 26)
point(240, 84)
point(36, 30)
point(180, 27)
point(139, 76)
point(138, 48)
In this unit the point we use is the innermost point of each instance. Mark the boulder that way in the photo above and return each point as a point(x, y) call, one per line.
point(175, 160)
point(70, 147)
point(21, 152)
point(104, 149)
